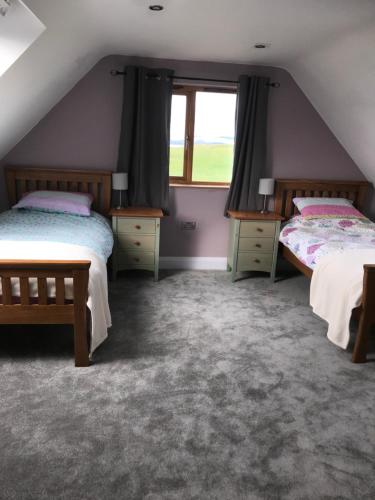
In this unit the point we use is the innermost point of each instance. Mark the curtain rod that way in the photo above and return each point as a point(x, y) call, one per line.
point(115, 72)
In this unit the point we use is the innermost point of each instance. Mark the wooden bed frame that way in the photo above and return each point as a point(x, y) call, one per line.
point(286, 190)
point(43, 309)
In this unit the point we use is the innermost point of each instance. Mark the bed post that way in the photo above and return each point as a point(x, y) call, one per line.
point(81, 348)
point(367, 314)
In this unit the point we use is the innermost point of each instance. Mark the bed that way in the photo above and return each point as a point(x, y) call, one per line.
point(53, 266)
point(301, 254)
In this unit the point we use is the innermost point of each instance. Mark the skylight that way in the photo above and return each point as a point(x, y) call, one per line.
point(19, 28)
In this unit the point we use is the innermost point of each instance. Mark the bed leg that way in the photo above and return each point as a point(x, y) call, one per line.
point(360, 347)
point(81, 349)
point(367, 317)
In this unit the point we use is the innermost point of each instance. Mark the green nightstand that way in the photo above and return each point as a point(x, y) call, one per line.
point(253, 242)
point(137, 235)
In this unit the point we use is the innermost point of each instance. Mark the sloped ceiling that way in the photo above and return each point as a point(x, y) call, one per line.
point(327, 46)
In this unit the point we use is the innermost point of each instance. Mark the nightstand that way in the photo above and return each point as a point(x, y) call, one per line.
point(136, 234)
point(253, 242)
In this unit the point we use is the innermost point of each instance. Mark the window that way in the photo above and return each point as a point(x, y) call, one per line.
point(19, 29)
point(202, 136)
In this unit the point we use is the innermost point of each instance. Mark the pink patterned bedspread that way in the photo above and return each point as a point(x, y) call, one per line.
point(311, 239)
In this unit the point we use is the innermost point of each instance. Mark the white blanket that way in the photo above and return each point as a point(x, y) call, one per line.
point(98, 288)
point(336, 289)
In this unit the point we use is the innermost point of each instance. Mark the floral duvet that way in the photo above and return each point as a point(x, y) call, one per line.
point(311, 239)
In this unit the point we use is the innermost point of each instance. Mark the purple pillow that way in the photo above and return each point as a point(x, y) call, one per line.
point(327, 208)
point(57, 201)
point(331, 212)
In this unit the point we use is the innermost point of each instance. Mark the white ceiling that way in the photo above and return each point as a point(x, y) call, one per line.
point(327, 45)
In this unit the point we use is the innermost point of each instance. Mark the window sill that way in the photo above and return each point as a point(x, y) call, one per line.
point(199, 186)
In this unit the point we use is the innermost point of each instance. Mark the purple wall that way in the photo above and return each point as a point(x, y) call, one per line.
point(82, 131)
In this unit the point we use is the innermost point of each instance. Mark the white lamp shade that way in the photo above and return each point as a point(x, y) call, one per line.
point(120, 181)
point(266, 186)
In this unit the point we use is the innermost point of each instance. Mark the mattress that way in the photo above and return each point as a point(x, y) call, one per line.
point(93, 232)
point(311, 239)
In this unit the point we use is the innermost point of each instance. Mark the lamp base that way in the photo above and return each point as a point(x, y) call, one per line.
point(264, 211)
point(121, 203)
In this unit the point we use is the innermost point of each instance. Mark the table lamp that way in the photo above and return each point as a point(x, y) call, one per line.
point(120, 183)
point(266, 188)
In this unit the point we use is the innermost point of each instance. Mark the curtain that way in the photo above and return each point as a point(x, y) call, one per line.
point(250, 143)
point(144, 138)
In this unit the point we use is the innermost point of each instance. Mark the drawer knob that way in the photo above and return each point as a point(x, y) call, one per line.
point(138, 226)
point(260, 230)
point(257, 261)
point(137, 243)
point(136, 259)
point(258, 245)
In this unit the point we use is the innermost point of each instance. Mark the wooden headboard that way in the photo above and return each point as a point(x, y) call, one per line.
point(20, 180)
point(287, 189)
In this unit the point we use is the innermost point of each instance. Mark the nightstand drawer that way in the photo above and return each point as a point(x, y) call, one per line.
point(136, 259)
point(133, 241)
point(254, 261)
point(256, 244)
point(133, 225)
point(257, 229)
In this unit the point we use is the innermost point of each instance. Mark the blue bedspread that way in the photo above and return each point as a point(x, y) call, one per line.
point(93, 232)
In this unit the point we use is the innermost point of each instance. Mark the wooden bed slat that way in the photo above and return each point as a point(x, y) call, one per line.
point(42, 291)
point(23, 186)
point(95, 192)
point(6, 290)
point(60, 291)
point(24, 291)
point(289, 204)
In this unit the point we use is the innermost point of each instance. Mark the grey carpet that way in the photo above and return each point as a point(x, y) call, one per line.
point(204, 390)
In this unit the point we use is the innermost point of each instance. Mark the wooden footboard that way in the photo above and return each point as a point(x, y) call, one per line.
point(24, 308)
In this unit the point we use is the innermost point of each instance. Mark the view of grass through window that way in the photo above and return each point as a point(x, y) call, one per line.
point(213, 136)
point(177, 141)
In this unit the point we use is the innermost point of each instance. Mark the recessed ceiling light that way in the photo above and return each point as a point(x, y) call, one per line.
point(260, 46)
point(156, 8)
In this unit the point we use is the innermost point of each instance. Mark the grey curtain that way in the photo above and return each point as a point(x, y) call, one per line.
point(144, 139)
point(250, 143)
